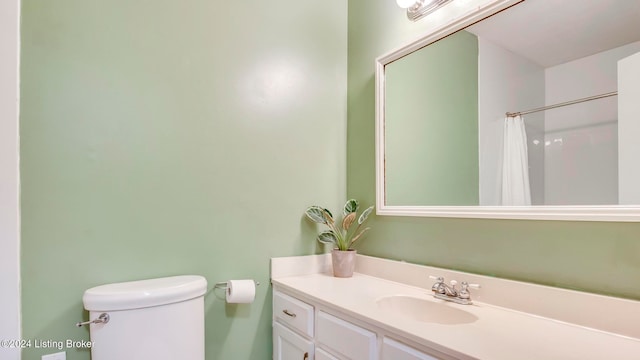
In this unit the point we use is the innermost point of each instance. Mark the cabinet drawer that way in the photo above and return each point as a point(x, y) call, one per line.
point(293, 312)
point(345, 338)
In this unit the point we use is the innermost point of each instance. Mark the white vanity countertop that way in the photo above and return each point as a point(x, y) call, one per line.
point(499, 333)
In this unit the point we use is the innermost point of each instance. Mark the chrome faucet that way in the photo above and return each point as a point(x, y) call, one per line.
point(450, 292)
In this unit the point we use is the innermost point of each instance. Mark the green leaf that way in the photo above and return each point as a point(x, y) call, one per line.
point(316, 214)
point(365, 214)
point(327, 237)
point(350, 207)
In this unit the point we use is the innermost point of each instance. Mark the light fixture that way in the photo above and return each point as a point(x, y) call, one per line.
point(417, 9)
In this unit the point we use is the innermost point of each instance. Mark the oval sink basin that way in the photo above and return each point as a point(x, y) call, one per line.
point(425, 310)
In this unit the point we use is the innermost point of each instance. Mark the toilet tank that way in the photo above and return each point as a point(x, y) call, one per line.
point(159, 319)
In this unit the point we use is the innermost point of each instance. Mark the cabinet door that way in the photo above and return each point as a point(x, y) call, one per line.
point(393, 350)
point(323, 355)
point(349, 341)
point(288, 345)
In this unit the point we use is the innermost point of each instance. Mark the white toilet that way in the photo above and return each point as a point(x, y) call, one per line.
point(159, 319)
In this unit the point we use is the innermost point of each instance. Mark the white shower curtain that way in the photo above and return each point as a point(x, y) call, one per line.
point(515, 164)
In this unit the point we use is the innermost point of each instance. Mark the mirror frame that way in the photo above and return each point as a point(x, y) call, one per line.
point(630, 213)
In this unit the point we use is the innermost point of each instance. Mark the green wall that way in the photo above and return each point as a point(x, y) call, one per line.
point(593, 256)
point(175, 137)
point(416, 172)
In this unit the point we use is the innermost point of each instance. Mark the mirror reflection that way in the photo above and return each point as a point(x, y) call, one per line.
point(449, 142)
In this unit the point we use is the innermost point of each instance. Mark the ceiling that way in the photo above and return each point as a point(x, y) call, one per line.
point(552, 32)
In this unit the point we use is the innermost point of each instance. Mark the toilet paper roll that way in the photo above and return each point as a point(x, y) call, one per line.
point(241, 291)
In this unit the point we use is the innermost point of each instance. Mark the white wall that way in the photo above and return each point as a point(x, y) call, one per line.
point(581, 157)
point(629, 128)
point(507, 82)
point(9, 203)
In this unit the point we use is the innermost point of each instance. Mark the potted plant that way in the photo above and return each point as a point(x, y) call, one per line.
point(342, 235)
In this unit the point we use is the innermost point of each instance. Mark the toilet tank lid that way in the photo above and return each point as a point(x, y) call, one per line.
point(144, 293)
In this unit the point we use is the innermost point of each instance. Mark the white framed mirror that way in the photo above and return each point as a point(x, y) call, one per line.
point(442, 103)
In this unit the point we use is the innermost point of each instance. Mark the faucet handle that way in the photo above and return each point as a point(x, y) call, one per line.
point(464, 291)
point(437, 287)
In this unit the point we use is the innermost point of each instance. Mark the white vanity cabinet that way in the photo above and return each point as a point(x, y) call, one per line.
point(303, 330)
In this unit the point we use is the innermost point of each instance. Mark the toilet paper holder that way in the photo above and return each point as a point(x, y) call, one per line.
point(225, 284)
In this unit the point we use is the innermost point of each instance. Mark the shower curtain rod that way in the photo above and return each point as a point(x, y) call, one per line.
point(595, 97)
